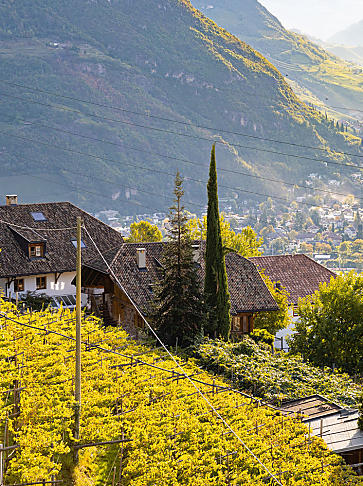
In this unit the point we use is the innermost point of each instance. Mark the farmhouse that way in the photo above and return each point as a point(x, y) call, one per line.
point(116, 294)
point(299, 274)
point(38, 248)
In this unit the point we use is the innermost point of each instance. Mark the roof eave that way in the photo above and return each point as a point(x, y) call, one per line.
point(252, 311)
point(48, 272)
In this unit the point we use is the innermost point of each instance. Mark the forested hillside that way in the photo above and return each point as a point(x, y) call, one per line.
point(316, 75)
point(150, 58)
point(136, 394)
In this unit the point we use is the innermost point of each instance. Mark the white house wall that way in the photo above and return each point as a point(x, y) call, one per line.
point(63, 286)
point(283, 334)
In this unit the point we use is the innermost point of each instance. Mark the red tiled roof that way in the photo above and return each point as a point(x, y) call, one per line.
point(247, 289)
point(300, 274)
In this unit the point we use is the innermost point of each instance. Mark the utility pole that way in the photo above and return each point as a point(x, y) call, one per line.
point(77, 391)
point(1, 466)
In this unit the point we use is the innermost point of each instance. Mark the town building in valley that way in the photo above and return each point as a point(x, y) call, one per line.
point(125, 284)
point(38, 248)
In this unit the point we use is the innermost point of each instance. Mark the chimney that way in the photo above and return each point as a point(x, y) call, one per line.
point(11, 200)
point(196, 253)
point(141, 258)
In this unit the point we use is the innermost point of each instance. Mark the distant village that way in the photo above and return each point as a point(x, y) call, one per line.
point(332, 234)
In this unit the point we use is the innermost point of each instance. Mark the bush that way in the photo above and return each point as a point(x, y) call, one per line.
point(330, 330)
point(36, 301)
point(274, 321)
point(274, 376)
point(261, 335)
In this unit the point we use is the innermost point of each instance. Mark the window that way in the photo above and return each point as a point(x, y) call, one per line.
point(66, 300)
point(38, 217)
point(19, 285)
point(63, 300)
point(36, 250)
point(245, 324)
point(83, 245)
point(72, 299)
point(41, 283)
point(235, 323)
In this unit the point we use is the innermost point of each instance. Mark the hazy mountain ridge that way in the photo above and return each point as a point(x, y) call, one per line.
point(328, 78)
point(351, 36)
point(161, 58)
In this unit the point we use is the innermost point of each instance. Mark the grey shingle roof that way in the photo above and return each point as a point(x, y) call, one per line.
point(248, 291)
point(300, 274)
point(60, 252)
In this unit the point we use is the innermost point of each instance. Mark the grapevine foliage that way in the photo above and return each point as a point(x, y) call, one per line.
point(274, 376)
point(175, 439)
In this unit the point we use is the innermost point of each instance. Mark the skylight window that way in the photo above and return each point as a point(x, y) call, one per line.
point(83, 245)
point(38, 217)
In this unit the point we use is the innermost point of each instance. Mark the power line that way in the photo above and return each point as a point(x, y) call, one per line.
point(157, 171)
point(182, 375)
point(113, 182)
point(138, 189)
point(37, 229)
point(221, 169)
point(83, 190)
point(297, 100)
point(272, 476)
point(338, 108)
point(169, 120)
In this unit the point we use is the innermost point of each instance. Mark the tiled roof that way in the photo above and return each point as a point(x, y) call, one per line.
point(248, 291)
point(340, 431)
point(300, 274)
point(60, 251)
point(311, 407)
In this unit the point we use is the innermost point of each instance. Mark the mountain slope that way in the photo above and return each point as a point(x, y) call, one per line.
point(351, 36)
point(329, 80)
point(351, 54)
point(160, 58)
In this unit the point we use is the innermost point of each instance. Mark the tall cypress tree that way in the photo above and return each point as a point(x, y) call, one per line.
point(178, 302)
point(215, 286)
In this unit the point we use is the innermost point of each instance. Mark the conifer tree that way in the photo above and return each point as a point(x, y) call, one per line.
point(178, 310)
point(358, 225)
point(215, 286)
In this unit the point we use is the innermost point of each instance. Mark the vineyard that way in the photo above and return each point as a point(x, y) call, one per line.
point(274, 376)
point(154, 426)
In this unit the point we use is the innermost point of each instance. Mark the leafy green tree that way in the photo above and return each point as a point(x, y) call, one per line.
point(215, 285)
point(306, 248)
point(267, 230)
point(330, 330)
point(278, 245)
point(299, 220)
point(178, 310)
point(144, 232)
point(323, 247)
point(246, 243)
point(351, 253)
point(274, 321)
point(263, 219)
